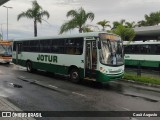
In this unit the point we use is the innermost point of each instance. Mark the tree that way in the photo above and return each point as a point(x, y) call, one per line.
point(152, 19)
point(1, 38)
point(36, 13)
point(104, 24)
point(126, 34)
point(87, 29)
point(142, 23)
point(117, 23)
point(78, 19)
point(130, 24)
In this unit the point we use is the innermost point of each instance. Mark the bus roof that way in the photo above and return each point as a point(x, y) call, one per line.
point(140, 42)
point(5, 42)
point(89, 34)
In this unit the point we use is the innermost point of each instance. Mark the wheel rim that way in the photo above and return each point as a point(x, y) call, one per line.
point(28, 66)
point(75, 75)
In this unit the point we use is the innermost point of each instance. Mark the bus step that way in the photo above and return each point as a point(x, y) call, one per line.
point(91, 79)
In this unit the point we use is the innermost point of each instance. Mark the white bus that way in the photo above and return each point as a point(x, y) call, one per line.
point(145, 54)
point(91, 56)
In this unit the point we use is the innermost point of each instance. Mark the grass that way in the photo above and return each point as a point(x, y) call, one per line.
point(143, 79)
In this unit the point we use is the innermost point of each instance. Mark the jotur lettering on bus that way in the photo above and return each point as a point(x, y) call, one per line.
point(47, 58)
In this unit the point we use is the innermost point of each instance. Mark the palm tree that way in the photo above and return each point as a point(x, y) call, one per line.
point(117, 23)
point(130, 24)
point(79, 18)
point(1, 38)
point(36, 13)
point(142, 23)
point(127, 34)
point(150, 20)
point(153, 18)
point(104, 24)
point(87, 29)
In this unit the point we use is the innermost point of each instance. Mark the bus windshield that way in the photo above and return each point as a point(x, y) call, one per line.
point(5, 50)
point(111, 52)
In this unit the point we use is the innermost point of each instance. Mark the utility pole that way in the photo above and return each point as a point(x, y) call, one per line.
point(7, 18)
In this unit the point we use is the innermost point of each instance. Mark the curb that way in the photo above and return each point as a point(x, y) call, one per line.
point(145, 86)
point(141, 83)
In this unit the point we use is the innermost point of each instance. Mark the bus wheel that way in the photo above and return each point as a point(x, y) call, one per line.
point(74, 75)
point(29, 66)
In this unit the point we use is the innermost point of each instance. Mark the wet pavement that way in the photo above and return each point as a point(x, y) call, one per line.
point(18, 86)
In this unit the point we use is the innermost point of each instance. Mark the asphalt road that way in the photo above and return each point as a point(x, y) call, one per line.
point(86, 96)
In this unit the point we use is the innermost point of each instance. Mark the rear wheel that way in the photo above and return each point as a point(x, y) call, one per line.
point(74, 75)
point(7, 63)
point(29, 67)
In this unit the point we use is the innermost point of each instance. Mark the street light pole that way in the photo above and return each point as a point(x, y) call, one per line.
point(2, 31)
point(7, 19)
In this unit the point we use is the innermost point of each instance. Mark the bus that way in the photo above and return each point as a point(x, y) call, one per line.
point(90, 56)
point(5, 51)
point(145, 54)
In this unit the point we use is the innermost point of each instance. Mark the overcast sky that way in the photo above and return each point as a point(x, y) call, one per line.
point(111, 10)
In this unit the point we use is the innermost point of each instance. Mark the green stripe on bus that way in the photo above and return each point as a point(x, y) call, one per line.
point(105, 78)
point(50, 67)
point(142, 63)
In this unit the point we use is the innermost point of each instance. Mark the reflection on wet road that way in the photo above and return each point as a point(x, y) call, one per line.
point(66, 96)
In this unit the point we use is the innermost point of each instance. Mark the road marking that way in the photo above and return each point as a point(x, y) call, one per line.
point(78, 94)
point(133, 118)
point(53, 86)
point(122, 107)
point(21, 76)
point(125, 108)
point(34, 80)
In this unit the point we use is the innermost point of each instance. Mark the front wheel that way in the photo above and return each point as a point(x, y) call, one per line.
point(29, 66)
point(74, 75)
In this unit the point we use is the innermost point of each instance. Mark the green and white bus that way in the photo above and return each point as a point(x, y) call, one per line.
point(145, 54)
point(91, 56)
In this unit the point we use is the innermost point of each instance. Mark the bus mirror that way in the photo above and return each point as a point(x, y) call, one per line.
point(99, 45)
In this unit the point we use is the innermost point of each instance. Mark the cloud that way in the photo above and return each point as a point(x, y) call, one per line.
point(111, 10)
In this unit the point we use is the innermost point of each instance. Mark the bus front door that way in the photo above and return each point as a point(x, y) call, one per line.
point(91, 60)
point(18, 52)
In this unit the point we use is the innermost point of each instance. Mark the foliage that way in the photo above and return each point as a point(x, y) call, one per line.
point(117, 23)
point(1, 36)
point(36, 13)
point(104, 24)
point(78, 19)
point(126, 34)
point(150, 20)
point(130, 24)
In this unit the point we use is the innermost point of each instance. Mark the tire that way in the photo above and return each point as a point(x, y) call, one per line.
point(74, 75)
point(7, 63)
point(29, 67)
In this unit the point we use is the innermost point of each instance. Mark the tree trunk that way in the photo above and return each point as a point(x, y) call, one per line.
point(35, 28)
point(80, 30)
point(103, 29)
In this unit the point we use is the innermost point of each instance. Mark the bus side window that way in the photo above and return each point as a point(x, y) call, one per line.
point(74, 46)
point(45, 46)
point(14, 46)
point(158, 50)
point(26, 46)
